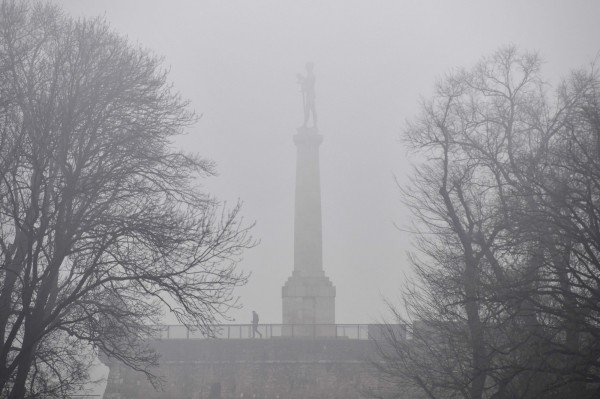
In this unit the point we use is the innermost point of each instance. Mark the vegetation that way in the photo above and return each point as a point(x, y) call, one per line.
point(506, 204)
point(102, 225)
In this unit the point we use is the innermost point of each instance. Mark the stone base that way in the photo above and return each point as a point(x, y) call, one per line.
point(253, 368)
point(309, 300)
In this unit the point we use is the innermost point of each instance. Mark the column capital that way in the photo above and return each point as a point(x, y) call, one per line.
point(307, 136)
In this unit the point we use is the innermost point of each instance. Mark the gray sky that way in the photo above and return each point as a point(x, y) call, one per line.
point(237, 61)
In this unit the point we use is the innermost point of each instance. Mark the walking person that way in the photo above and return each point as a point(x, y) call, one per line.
point(255, 325)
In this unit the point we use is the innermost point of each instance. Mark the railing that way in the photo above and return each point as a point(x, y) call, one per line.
point(246, 331)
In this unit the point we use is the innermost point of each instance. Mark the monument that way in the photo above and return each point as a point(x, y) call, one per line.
point(308, 296)
point(306, 357)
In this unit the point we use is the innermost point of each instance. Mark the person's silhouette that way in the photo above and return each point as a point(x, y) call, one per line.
point(255, 325)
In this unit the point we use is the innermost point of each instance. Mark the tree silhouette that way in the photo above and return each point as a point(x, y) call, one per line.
point(102, 223)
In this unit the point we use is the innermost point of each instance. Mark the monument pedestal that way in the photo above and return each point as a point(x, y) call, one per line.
point(308, 306)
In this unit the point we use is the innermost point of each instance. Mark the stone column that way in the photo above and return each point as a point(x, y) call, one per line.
point(308, 247)
point(308, 295)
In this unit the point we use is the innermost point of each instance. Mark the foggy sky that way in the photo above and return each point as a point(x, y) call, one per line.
point(374, 60)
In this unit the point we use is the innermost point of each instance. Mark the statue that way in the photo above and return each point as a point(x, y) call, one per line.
point(307, 86)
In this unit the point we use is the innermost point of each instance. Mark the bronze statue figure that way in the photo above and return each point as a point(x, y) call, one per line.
point(307, 86)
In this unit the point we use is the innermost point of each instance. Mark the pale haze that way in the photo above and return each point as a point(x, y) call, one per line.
point(236, 61)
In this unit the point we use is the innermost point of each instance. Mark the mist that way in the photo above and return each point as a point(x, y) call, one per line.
point(236, 61)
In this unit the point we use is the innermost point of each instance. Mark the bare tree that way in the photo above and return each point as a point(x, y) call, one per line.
point(485, 305)
point(568, 197)
point(102, 223)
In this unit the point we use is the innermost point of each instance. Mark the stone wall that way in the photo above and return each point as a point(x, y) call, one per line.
point(290, 368)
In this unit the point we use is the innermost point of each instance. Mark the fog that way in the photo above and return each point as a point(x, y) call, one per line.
point(236, 61)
